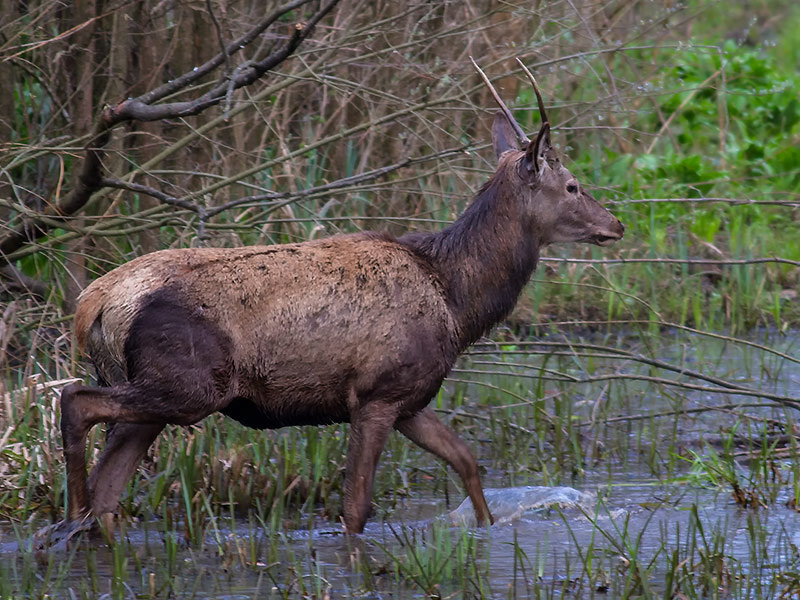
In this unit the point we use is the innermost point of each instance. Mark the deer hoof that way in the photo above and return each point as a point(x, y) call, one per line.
point(59, 535)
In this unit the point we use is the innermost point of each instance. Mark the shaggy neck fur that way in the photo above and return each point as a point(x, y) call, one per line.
point(486, 257)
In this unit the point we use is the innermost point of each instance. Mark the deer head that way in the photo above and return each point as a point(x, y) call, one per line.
point(563, 211)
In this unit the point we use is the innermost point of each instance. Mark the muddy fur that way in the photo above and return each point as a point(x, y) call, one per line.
point(356, 328)
point(301, 323)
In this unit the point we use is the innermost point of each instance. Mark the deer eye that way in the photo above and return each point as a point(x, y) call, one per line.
point(572, 188)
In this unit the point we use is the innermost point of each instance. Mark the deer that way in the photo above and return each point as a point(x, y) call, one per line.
point(355, 328)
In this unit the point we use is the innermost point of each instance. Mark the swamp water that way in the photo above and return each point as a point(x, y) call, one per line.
point(609, 476)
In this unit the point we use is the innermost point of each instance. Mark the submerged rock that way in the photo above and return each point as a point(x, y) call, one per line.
point(510, 504)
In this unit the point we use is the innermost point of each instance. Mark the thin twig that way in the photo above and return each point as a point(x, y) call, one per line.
point(675, 113)
point(672, 261)
point(90, 179)
point(152, 192)
point(730, 201)
point(335, 185)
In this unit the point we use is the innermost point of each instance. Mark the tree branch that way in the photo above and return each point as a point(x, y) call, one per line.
point(206, 213)
point(141, 109)
point(17, 280)
point(334, 185)
point(194, 75)
point(152, 192)
point(91, 177)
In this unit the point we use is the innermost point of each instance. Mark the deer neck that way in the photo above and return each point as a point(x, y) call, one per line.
point(484, 259)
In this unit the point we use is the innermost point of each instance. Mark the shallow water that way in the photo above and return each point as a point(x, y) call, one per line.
point(600, 526)
point(653, 517)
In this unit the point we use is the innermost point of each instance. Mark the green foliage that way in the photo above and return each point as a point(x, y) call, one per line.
point(221, 511)
point(732, 119)
point(726, 123)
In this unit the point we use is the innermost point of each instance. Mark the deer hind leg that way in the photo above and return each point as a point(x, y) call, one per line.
point(140, 417)
point(73, 434)
point(180, 372)
point(126, 446)
point(427, 431)
point(83, 407)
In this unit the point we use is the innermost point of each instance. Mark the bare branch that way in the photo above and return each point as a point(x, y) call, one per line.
point(151, 191)
point(91, 179)
point(344, 182)
point(335, 185)
point(194, 75)
point(141, 109)
point(16, 280)
point(218, 28)
point(674, 261)
point(730, 201)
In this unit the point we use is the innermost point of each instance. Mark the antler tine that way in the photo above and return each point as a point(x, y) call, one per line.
point(520, 133)
point(542, 112)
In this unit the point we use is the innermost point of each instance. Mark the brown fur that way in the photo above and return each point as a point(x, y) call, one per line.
point(290, 310)
point(355, 328)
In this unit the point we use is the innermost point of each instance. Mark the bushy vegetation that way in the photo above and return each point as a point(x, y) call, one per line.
point(658, 372)
point(724, 155)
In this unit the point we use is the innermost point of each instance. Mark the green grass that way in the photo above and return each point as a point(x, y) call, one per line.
point(218, 508)
point(599, 380)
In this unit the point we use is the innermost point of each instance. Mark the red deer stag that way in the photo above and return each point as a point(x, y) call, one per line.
point(358, 329)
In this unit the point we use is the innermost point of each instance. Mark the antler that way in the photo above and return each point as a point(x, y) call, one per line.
point(542, 113)
point(517, 129)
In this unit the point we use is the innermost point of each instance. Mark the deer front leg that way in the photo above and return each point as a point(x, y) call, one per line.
point(427, 431)
point(370, 426)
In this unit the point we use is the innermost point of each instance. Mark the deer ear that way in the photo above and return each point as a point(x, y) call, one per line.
point(503, 135)
point(534, 154)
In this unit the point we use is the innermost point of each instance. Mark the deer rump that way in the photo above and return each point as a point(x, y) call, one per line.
point(272, 336)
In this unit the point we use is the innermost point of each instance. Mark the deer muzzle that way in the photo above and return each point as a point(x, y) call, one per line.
point(606, 237)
